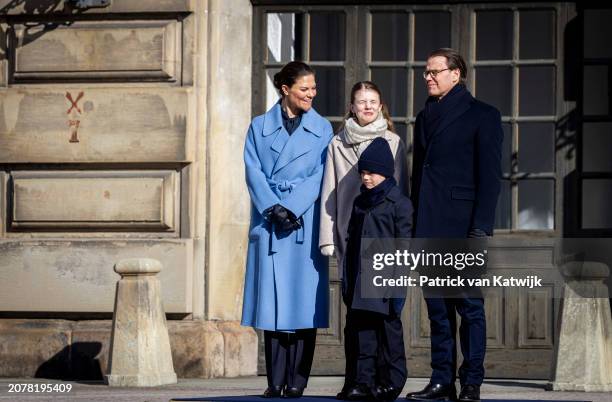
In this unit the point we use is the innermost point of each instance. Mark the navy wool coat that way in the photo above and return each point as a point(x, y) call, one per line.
point(390, 218)
point(456, 174)
point(286, 279)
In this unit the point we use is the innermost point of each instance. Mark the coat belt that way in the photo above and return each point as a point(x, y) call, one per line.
point(280, 187)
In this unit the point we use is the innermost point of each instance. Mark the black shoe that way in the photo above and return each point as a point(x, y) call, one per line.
point(293, 392)
point(470, 393)
point(434, 392)
point(386, 393)
point(274, 391)
point(358, 392)
point(342, 394)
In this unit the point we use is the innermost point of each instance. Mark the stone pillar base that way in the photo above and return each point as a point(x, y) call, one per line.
point(141, 380)
point(78, 350)
point(583, 354)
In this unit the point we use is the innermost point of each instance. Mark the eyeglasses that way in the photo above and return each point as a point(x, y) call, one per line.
point(433, 73)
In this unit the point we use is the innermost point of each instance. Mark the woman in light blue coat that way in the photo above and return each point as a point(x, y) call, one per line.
point(286, 281)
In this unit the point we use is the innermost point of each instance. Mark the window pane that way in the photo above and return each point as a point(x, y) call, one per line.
point(330, 91)
point(537, 34)
point(494, 86)
point(494, 35)
point(283, 36)
point(393, 82)
point(390, 36)
point(420, 91)
point(536, 204)
point(596, 211)
point(506, 160)
point(503, 213)
point(597, 91)
point(597, 147)
point(537, 91)
point(536, 147)
point(597, 33)
point(272, 95)
point(401, 129)
point(327, 36)
point(431, 31)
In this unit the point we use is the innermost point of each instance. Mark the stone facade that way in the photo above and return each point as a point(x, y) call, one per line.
point(121, 136)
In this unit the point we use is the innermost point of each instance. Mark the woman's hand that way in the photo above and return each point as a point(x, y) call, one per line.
point(327, 250)
point(282, 218)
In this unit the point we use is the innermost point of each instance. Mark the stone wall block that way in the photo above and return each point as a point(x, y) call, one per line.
point(240, 344)
point(90, 349)
point(35, 348)
point(197, 348)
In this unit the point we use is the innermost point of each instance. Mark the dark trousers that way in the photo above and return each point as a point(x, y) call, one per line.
point(289, 357)
point(374, 350)
point(472, 333)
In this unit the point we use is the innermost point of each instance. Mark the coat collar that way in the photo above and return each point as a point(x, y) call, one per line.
point(273, 120)
point(394, 194)
point(454, 114)
point(346, 150)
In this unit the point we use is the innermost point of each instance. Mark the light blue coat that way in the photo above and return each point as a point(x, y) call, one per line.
point(286, 280)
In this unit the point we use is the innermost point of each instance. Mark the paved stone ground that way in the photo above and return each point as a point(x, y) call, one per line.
point(328, 386)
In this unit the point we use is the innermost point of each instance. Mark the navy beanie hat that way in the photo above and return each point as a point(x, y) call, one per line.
point(377, 158)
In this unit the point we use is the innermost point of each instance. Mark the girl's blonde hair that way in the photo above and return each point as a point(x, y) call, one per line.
point(384, 110)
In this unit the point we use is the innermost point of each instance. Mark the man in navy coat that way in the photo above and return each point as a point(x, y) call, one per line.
point(455, 184)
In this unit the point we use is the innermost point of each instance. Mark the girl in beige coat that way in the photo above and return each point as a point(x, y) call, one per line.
point(366, 119)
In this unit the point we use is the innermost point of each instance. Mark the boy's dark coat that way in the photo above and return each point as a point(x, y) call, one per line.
point(390, 218)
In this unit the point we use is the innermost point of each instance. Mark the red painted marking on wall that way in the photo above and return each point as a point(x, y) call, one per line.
point(74, 103)
point(74, 126)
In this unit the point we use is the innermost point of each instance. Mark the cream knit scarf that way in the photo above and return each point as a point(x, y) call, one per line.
point(359, 137)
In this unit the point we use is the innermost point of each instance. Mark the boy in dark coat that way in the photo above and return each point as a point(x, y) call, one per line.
point(374, 341)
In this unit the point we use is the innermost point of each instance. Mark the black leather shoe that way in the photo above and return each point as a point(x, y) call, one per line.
point(293, 392)
point(434, 392)
point(274, 391)
point(386, 393)
point(358, 392)
point(470, 393)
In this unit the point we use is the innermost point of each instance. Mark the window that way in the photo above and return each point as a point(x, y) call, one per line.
point(317, 37)
point(596, 103)
point(515, 69)
point(514, 63)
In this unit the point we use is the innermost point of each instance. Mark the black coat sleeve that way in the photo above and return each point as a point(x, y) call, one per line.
point(488, 170)
point(403, 218)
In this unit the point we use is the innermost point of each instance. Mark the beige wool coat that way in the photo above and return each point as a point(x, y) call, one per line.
point(341, 183)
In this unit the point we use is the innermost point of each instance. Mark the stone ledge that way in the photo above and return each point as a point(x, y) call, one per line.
point(79, 349)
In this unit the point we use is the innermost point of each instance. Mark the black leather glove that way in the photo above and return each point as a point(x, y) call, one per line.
point(284, 219)
point(267, 213)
